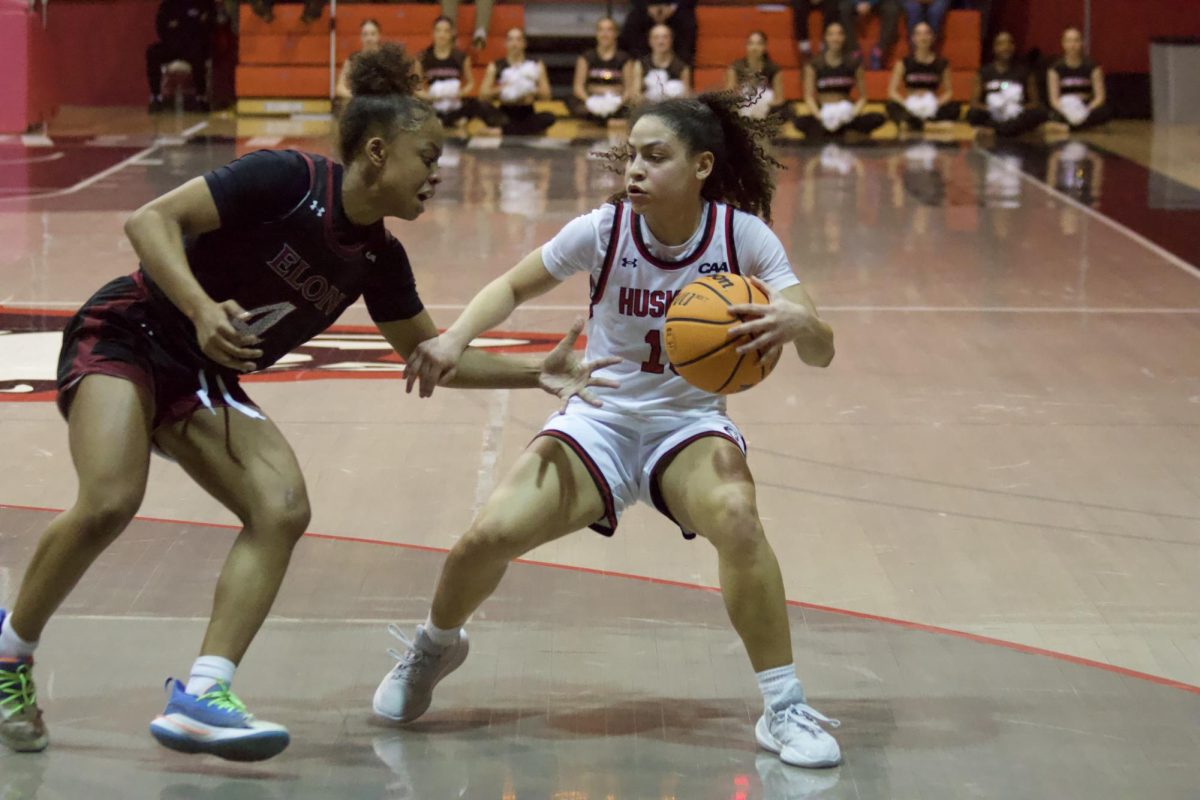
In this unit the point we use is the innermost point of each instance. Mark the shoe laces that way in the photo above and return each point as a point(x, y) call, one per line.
point(806, 718)
point(411, 660)
point(17, 691)
point(219, 696)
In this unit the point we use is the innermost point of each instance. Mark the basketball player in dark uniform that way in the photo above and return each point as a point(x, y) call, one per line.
point(603, 70)
point(1077, 77)
point(442, 63)
point(923, 74)
point(661, 74)
point(1004, 76)
point(184, 30)
point(829, 79)
point(756, 72)
point(238, 267)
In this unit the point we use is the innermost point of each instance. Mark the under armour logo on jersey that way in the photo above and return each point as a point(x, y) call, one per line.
point(371, 257)
point(319, 209)
point(629, 262)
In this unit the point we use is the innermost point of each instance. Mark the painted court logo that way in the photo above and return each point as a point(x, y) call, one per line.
point(30, 341)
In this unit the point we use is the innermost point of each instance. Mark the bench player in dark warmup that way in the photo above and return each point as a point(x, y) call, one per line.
point(238, 267)
point(1075, 84)
point(184, 30)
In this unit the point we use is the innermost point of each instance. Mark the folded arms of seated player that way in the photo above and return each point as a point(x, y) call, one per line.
point(436, 361)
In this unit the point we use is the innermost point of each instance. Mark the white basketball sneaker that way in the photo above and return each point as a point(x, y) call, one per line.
point(406, 691)
point(795, 733)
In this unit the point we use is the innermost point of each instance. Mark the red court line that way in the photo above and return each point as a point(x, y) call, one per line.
point(902, 623)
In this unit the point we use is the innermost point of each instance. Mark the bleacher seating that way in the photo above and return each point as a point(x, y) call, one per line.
point(289, 59)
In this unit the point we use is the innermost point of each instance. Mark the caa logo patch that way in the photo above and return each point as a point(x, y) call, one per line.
point(713, 267)
point(30, 341)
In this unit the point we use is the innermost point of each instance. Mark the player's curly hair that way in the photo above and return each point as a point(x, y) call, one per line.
point(743, 166)
point(383, 102)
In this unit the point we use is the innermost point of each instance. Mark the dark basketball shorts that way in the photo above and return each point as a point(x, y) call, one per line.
point(117, 333)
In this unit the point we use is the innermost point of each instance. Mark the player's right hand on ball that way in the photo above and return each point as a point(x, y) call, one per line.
point(432, 363)
point(222, 335)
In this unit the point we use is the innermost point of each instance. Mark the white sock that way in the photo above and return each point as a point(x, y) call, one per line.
point(207, 672)
point(439, 636)
point(780, 687)
point(11, 645)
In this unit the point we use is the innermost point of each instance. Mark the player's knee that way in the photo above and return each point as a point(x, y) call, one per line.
point(285, 514)
point(733, 525)
point(494, 534)
point(105, 514)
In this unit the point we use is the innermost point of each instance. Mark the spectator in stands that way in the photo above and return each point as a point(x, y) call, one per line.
point(184, 34)
point(661, 74)
point(1005, 98)
point(680, 17)
point(757, 75)
point(446, 77)
point(515, 82)
point(369, 37)
point(800, 12)
point(603, 86)
point(1076, 87)
point(829, 80)
point(483, 18)
point(920, 91)
point(929, 11)
point(889, 20)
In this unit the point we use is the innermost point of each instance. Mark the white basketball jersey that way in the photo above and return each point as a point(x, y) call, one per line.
point(630, 297)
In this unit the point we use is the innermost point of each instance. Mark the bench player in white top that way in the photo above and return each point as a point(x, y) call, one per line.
point(697, 180)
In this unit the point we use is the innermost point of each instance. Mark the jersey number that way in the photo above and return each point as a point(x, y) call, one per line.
point(260, 320)
point(654, 364)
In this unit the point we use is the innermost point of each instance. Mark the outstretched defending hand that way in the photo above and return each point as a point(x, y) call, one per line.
point(777, 322)
point(223, 336)
point(565, 376)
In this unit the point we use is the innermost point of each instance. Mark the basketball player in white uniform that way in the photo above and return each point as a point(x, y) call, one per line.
point(643, 433)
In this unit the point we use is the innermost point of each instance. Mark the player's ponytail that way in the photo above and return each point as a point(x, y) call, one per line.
point(383, 83)
point(742, 162)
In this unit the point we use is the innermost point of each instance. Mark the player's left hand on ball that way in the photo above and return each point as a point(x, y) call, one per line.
point(432, 363)
point(770, 324)
point(565, 376)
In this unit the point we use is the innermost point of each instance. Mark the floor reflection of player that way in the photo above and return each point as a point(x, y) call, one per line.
point(524, 187)
point(1076, 171)
point(1001, 182)
point(833, 182)
point(918, 172)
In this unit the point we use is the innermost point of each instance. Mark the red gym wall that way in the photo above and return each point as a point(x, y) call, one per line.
point(1121, 29)
point(100, 48)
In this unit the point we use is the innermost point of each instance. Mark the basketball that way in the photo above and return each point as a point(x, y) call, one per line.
point(697, 336)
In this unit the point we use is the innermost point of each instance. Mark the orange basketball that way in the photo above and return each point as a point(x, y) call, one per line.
point(697, 336)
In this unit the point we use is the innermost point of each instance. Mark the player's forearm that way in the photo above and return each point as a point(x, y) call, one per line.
point(815, 344)
point(478, 369)
point(494, 304)
point(158, 241)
